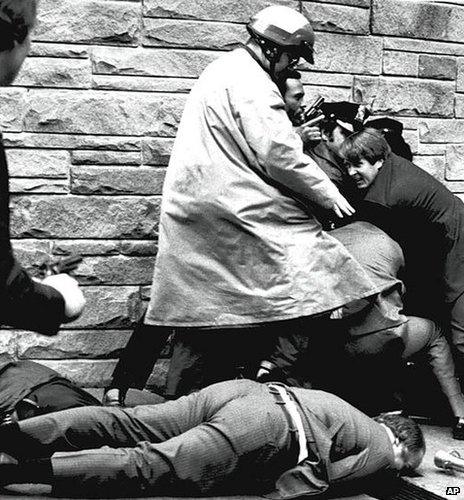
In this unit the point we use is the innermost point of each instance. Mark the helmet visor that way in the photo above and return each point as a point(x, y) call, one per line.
point(307, 52)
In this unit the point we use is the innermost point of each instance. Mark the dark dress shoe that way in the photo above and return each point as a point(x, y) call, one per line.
point(458, 428)
point(6, 460)
point(9, 468)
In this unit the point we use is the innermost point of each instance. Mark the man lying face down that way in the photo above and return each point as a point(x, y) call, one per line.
point(235, 437)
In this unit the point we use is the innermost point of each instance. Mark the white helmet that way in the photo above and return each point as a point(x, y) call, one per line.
point(285, 28)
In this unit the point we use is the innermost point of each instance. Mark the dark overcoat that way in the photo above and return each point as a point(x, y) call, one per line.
point(427, 220)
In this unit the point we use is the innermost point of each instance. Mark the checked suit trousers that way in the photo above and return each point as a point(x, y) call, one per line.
point(229, 437)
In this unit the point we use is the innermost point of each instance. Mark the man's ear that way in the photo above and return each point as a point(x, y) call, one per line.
point(325, 137)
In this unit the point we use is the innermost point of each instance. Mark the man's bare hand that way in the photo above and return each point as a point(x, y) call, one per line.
point(69, 288)
point(309, 134)
point(262, 374)
point(342, 208)
point(310, 131)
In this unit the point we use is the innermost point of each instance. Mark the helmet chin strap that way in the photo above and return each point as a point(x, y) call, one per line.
point(272, 53)
point(272, 72)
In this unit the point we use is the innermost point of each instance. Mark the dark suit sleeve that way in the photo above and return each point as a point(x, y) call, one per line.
point(24, 303)
point(376, 213)
point(30, 305)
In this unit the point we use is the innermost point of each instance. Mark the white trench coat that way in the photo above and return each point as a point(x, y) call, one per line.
point(235, 245)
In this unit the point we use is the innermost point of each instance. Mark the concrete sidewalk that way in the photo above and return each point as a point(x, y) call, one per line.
point(430, 477)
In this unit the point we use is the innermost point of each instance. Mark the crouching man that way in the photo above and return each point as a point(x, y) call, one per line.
point(24, 302)
point(233, 437)
point(425, 218)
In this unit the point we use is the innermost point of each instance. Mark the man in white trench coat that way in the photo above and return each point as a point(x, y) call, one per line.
point(241, 256)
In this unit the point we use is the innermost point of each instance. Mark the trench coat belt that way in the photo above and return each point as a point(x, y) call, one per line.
point(290, 409)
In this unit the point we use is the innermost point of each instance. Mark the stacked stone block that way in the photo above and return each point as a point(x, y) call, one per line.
point(90, 122)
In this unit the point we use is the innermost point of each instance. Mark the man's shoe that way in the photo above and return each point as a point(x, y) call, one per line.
point(113, 397)
point(6, 460)
point(9, 468)
point(458, 428)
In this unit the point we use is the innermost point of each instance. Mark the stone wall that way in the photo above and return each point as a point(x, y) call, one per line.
point(90, 123)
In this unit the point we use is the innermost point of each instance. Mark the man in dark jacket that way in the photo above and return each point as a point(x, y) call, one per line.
point(28, 389)
point(339, 120)
point(26, 303)
point(425, 218)
point(236, 437)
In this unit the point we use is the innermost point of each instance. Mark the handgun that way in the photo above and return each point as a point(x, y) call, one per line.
point(314, 110)
point(310, 113)
point(64, 265)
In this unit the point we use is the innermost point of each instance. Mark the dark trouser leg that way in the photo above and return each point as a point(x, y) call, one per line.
point(371, 375)
point(457, 335)
point(139, 356)
point(7, 263)
point(201, 358)
point(299, 345)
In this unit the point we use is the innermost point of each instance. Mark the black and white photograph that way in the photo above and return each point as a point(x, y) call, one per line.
point(232, 249)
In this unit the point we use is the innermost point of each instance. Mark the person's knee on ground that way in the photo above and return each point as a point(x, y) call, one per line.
point(73, 297)
point(425, 335)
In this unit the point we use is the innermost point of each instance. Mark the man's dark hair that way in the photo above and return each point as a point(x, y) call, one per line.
point(405, 429)
point(17, 18)
point(288, 74)
point(368, 144)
